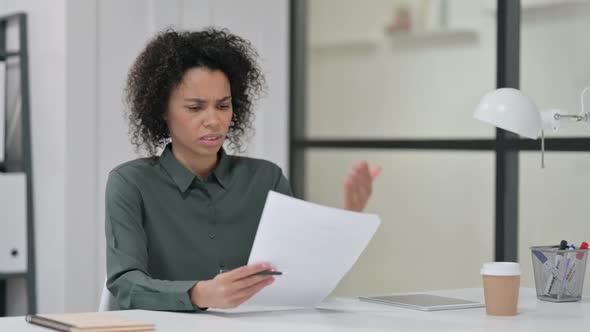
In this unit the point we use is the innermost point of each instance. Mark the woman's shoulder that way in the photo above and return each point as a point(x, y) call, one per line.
point(135, 168)
point(254, 165)
point(265, 173)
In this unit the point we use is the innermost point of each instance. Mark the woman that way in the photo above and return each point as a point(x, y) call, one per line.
point(174, 221)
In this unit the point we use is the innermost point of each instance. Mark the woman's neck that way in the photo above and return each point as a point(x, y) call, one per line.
point(200, 165)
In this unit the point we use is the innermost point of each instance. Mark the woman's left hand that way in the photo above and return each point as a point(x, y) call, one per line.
point(359, 186)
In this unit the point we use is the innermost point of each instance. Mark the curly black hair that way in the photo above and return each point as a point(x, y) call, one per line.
point(160, 67)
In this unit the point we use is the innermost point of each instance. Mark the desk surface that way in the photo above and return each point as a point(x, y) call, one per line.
point(351, 314)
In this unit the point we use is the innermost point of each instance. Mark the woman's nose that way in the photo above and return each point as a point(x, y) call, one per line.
point(211, 119)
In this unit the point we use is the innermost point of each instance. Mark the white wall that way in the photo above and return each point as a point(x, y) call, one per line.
point(47, 61)
point(80, 52)
point(81, 157)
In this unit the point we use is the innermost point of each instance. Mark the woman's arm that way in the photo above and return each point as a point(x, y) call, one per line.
point(282, 185)
point(128, 278)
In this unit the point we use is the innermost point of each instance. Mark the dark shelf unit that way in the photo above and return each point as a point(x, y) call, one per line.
point(21, 161)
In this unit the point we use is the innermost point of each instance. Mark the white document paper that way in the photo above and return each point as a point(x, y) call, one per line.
point(313, 245)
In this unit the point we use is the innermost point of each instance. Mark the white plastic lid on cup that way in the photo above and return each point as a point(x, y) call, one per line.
point(500, 269)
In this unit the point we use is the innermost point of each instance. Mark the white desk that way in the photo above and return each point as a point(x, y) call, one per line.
point(351, 314)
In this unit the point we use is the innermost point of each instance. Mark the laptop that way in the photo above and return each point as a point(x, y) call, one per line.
point(424, 302)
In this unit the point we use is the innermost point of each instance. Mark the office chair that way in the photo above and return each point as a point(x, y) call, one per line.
point(107, 300)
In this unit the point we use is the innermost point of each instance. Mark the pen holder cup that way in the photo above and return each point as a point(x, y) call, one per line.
point(559, 274)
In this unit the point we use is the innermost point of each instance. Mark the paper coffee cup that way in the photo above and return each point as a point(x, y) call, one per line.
point(501, 284)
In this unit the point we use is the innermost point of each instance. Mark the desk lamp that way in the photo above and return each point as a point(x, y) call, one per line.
point(511, 110)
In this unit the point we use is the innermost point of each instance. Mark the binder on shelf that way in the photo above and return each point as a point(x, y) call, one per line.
point(13, 223)
point(2, 109)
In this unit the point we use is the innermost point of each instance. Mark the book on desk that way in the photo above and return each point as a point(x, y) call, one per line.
point(89, 322)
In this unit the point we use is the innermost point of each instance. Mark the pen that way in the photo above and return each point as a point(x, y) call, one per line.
point(547, 265)
point(261, 273)
point(583, 246)
point(568, 261)
point(269, 273)
point(563, 245)
point(551, 283)
point(571, 270)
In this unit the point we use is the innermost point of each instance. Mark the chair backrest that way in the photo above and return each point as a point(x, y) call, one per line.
point(107, 300)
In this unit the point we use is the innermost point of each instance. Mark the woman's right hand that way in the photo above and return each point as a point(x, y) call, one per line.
point(230, 289)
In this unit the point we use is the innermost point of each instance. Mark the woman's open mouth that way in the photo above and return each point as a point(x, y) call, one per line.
point(212, 140)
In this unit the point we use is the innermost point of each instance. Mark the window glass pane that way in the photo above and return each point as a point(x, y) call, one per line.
point(553, 204)
point(420, 79)
point(555, 58)
point(437, 212)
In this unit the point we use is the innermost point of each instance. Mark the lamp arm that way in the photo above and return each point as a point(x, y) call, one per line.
point(583, 112)
point(550, 121)
point(583, 116)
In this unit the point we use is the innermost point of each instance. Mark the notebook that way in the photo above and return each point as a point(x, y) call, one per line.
point(424, 302)
point(89, 322)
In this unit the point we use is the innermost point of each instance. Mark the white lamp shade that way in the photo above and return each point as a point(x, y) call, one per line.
point(510, 110)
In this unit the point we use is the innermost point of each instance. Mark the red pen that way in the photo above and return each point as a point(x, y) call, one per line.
point(570, 273)
point(580, 255)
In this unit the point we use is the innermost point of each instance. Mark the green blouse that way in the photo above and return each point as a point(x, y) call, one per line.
point(167, 228)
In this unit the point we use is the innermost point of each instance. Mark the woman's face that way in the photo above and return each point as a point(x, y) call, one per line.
point(200, 111)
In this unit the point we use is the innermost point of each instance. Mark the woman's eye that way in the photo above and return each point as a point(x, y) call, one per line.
point(224, 106)
point(194, 108)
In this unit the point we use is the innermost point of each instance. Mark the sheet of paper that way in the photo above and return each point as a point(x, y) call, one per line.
point(313, 245)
